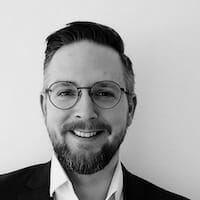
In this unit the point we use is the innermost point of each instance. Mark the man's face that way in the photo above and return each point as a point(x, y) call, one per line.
point(85, 63)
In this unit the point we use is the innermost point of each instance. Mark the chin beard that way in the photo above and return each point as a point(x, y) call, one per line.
point(85, 162)
point(90, 163)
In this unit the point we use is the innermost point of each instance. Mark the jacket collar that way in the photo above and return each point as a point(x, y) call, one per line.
point(37, 186)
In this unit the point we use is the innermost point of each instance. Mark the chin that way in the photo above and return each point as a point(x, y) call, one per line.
point(84, 162)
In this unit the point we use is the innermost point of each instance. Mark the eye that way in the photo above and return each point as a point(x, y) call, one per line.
point(104, 93)
point(66, 93)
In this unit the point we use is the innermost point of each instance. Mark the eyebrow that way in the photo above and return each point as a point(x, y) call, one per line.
point(102, 83)
point(61, 81)
point(72, 82)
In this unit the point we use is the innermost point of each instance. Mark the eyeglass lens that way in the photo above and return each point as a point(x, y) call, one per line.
point(105, 94)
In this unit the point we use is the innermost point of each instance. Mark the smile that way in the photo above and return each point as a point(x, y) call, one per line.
point(86, 134)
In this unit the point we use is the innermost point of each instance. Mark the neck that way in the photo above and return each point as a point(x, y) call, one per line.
point(94, 186)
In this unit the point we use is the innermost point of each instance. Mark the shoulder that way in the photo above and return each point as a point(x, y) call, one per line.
point(142, 189)
point(21, 174)
point(14, 182)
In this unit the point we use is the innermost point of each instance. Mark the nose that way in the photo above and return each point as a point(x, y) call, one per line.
point(85, 108)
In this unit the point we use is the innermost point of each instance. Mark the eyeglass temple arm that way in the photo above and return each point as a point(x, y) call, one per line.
point(122, 89)
point(127, 92)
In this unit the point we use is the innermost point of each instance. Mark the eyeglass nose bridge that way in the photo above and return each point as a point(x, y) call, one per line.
point(80, 93)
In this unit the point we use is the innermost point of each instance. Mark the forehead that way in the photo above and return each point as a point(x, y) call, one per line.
point(85, 63)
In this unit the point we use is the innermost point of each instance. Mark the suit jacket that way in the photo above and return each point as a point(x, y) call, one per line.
point(32, 183)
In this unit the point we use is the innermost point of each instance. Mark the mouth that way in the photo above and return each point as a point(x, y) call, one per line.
point(86, 133)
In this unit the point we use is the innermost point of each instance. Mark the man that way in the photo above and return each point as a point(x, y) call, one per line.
point(88, 102)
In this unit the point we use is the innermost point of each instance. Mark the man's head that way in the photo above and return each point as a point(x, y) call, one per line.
point(88, 97)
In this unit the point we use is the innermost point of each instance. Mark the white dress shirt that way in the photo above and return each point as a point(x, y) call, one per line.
point(61, 185)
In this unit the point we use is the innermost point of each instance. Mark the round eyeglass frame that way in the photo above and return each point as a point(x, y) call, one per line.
point(48, 90)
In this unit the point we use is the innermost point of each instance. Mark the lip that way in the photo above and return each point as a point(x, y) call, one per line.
point(89, 131)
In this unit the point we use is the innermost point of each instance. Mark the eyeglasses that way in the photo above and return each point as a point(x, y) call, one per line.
point(105, 94)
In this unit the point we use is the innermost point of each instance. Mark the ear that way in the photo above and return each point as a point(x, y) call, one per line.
point(43, 103)
point(131, 110)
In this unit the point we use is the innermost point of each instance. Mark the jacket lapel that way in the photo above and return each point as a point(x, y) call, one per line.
point(37, 186)
point(132, 186)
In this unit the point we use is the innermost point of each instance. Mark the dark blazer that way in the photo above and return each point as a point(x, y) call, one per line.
point(32, 183)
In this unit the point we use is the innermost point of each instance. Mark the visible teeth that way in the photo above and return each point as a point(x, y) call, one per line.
point(84, 134)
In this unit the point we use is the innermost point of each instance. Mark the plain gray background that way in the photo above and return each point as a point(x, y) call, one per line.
point(161, 37)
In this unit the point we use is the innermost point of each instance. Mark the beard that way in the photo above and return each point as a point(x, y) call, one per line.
point(83, 162)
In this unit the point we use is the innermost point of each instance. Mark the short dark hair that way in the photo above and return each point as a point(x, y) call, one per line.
point(95, 32)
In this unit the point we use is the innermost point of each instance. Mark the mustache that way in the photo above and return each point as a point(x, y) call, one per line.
point(87, 125)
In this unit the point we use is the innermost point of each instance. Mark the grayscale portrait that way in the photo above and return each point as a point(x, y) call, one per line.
point(101, 104)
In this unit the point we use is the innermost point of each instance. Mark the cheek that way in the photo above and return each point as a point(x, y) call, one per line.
point(54, 122)
point(118, 118)
point(55, 118)
point(119, 121)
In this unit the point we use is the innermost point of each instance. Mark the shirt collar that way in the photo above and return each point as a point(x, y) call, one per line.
point(116, 183)
point(58, 177)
